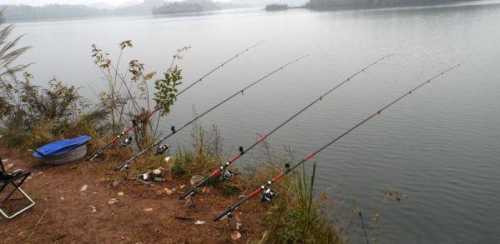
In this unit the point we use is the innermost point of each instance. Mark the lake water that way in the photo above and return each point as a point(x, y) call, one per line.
point(440, 147)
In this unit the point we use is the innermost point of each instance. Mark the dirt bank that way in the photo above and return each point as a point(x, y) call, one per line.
point(88, 203)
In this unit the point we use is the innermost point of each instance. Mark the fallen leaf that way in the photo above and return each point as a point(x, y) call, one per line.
point(93, 209)
point(237, 217)
point(184, 218)
point(112, 201)
point(199, 222)
point(121, 194)
point(84, 188)
point(182, 186)
point(168, 191)
point(148, 210)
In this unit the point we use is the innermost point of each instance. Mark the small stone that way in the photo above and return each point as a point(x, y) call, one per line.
point(167, 159)
point(62, 198)
point(195, 179)
point(235, 235)
point(182, 186)
point(157, 172)
point(199, 222)
point(84, 188)
point(168, 191)
point(148, 210)
point(112, 201)
point(115, 183)
point(238, 225)
point(121, 194)
point(93, 209)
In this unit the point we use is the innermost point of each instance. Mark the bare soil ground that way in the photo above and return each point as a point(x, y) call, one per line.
point(113, 209)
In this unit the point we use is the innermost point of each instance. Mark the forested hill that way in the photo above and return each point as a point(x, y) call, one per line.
point(14, 13)
point(345, 4)
point(26, 12)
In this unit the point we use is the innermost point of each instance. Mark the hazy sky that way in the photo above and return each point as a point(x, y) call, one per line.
point(101, 2)
point(42, 2)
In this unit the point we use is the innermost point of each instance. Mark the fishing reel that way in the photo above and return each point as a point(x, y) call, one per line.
point(161, 149)
point(226, 174)
point(267, 193)
point(127, 141)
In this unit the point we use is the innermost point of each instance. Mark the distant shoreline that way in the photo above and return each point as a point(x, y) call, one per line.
point(324, 5)
point(309, 6)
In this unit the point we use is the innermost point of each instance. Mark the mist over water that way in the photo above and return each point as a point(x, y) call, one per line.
point(440, 147)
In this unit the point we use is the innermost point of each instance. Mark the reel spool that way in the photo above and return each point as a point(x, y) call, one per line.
point(161, 149)
point(127, 141)
point(268, 194)
point(226, 173)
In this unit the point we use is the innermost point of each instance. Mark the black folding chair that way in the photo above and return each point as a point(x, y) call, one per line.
point(15, 179)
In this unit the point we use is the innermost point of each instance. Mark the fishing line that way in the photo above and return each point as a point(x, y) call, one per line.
point(266, 190)
point(222, 170)
point(174, 130)
point(134, 123)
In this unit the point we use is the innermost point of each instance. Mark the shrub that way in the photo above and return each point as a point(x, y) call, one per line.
point(128, 92)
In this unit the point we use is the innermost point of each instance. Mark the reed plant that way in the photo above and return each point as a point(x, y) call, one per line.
point(295, 216)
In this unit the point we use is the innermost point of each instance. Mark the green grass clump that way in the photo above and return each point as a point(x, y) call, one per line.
point(201, 159)
point(178, 169)
point(295, 216)
point(228, 189)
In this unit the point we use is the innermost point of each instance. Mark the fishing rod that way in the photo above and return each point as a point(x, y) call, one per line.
point(267, 194)
point(152, 113)
point(127, 163)
point(222, 171)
